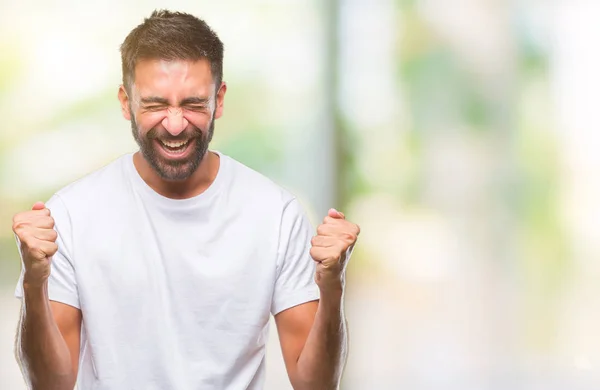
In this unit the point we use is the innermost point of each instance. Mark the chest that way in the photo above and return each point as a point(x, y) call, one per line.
point(200, 264)
point(185, 292)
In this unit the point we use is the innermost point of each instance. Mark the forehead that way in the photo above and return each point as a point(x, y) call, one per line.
point(176, 78)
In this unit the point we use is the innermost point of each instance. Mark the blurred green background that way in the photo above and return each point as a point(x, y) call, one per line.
point(460, 134)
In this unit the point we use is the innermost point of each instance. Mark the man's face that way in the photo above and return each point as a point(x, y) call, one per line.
point(172, 108)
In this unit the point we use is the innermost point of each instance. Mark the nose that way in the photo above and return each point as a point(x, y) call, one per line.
point(174, 122)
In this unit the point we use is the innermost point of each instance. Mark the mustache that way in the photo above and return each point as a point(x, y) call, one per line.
point(164, 135)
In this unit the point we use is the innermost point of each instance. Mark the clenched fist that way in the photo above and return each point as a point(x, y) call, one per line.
point(331, 249)
point(35, 231)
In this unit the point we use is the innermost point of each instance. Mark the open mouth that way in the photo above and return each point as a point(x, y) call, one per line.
point(174, 149)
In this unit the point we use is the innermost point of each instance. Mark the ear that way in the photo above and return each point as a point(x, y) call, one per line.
point(124, 99)
point(220, 100)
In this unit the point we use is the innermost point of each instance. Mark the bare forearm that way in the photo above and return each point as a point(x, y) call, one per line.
point(323, 357)
point(44, 355)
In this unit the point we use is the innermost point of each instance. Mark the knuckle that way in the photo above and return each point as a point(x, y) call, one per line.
point(34, 250)
point(321, 229)
point(38, 254)
point(34, 254)
point(26, 241)
point(348, 236)
point(52, 249)
point(18, 224)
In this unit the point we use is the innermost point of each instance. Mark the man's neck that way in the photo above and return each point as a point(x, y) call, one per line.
point(193, 186)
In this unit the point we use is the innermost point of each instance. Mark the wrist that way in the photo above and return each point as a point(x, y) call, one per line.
point(35, 289)
point(332, 291)
point(331, 284)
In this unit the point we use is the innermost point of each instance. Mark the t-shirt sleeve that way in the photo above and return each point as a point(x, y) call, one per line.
point(295, 283)
point(62, 284)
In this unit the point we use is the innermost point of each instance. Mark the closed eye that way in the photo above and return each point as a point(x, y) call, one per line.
point(196, 108)
point(154, 108)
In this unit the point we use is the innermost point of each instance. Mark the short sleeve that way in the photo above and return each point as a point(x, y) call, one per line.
point(62, 285)
point(295, 283)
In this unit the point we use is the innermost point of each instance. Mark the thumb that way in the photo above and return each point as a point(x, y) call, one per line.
point(38, 206)
point(333, 213)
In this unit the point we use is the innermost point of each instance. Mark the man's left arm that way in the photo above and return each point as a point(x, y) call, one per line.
point(313, 335)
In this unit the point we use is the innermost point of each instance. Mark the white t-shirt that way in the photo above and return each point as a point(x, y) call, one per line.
point(177, 294)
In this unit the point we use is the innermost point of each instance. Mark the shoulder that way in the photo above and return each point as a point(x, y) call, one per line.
point(254, 186)
point(93, 186)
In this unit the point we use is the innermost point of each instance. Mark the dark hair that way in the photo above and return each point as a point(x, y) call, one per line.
point(170, 36)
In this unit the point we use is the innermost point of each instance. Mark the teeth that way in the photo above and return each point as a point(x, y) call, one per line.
point(174, 144)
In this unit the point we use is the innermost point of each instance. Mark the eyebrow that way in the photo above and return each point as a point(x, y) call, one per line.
point(185, 102)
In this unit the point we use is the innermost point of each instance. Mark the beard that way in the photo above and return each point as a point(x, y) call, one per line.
point(173, 169)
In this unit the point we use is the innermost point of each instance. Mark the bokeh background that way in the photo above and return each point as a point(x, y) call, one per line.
point(460, 134)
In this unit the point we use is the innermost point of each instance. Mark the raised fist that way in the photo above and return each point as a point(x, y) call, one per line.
point(35, 231)
point(332, 247)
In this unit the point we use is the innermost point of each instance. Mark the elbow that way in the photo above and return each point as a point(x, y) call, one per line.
point(315, 386)
point(58, 382)
point(312, 383)
point(39, 379)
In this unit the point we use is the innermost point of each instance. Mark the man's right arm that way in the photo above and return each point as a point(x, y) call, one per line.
point(48, 341)
point(48, 337)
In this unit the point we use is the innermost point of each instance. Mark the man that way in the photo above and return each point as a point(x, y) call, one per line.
point(160, 270)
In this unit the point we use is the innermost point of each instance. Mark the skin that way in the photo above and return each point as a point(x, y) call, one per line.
point(178, 101)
